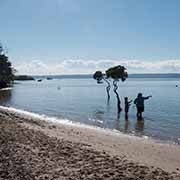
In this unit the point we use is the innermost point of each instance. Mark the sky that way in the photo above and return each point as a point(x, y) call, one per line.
point(82, 36)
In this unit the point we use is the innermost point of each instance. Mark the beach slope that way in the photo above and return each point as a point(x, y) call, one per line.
point(35, 149)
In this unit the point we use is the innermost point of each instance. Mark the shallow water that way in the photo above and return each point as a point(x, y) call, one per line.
point(85, 101)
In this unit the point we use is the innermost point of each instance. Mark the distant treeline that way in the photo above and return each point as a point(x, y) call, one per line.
point(23, 78)
point(171, 75)
point(85, 76)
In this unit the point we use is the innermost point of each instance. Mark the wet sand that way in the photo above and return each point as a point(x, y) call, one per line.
point(35, 149)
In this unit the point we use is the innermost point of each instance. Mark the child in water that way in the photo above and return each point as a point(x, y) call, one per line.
point(127, 105)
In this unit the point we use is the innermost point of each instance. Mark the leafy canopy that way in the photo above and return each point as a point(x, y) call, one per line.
point(6, 69)
point(116, 73)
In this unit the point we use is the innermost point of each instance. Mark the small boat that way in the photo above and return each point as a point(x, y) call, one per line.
point(39, 80)
point(49, 78)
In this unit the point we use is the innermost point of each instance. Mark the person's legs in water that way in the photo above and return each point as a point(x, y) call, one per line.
point(137, 114)
point(140, 111)
point(140, 115)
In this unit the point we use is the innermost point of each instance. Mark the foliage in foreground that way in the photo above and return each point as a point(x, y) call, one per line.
point(6, 69)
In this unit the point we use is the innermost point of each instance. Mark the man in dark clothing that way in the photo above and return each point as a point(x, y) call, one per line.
point(139, 101)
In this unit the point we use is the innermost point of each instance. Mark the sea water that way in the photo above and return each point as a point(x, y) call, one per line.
point(85, 101)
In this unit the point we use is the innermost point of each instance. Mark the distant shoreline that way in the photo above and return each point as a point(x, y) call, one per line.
point(85, 76)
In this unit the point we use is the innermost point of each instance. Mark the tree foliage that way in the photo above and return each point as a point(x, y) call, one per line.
point(6, 69)
point(98, 75)
point(117, 73)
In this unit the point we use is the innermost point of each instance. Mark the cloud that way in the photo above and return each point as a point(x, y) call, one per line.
point(38, 67)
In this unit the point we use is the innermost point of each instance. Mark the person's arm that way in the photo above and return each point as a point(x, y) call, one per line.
point(129, 103)
point(135, 101)
point(147, 97)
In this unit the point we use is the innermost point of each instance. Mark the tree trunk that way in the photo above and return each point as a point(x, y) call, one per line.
point(117, 96)
point(108, 88)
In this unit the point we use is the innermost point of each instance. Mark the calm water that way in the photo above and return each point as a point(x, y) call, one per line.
point(82, 100)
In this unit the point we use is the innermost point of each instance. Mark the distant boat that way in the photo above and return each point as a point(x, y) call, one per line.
point(39, 80)
point(49, 78)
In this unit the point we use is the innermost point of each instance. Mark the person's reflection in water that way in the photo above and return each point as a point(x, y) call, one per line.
point(139, 126)
point(5, 95)
point(126, 126)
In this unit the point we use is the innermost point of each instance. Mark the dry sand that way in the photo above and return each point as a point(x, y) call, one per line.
point(34, 149)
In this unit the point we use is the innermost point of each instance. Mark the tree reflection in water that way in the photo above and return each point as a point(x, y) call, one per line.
point(117, 124)
point(5, 96)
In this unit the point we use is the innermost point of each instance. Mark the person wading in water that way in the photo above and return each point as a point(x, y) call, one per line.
point(127, 104)
point(139, 102)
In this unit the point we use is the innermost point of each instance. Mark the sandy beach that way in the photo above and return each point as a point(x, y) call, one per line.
point(36, 149)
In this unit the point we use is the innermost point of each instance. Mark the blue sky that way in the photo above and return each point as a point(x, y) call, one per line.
point(82, 36)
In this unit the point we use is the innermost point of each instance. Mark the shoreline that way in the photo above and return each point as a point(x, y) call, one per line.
point(130, 152)
point(67, 122)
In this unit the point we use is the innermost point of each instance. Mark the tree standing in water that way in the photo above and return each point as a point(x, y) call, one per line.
point(115, 73)
point(99, 76)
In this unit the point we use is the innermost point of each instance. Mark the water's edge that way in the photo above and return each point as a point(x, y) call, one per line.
point(65, 122)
